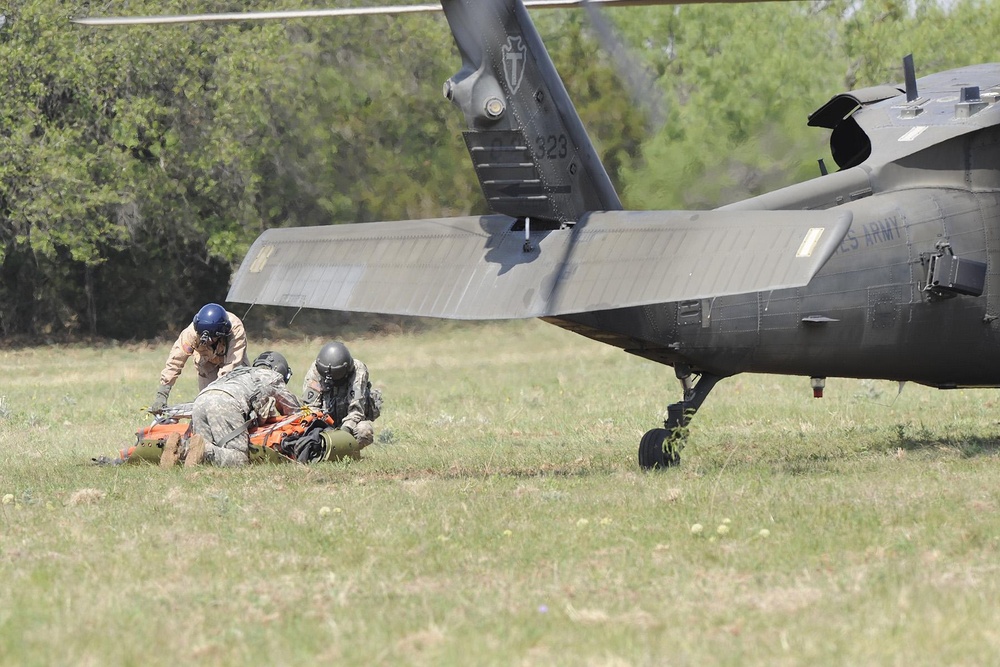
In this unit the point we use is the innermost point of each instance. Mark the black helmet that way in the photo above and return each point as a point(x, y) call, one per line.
point(212, 321)
point(276, 362)
point(334, 362)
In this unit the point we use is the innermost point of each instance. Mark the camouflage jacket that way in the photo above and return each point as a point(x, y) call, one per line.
point(253, 388)
point(345, 402)
point(226, 354)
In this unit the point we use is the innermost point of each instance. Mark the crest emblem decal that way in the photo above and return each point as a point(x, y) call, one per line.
point(513, 56)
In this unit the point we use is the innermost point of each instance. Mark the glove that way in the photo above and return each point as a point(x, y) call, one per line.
point(364, 433)
point(160, 402)
point(348, 428)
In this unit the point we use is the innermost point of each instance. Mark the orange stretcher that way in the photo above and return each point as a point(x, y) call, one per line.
point(279, 439)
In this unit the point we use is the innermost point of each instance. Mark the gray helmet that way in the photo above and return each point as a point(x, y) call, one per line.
point(334, 362)
point(276, 362)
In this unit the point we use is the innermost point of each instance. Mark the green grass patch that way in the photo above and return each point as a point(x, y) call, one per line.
point(501, 519)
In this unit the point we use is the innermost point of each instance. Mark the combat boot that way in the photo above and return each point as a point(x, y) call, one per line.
point(196, 451)
point(171, 451)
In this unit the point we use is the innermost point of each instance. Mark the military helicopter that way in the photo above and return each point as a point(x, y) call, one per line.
point(881, 269)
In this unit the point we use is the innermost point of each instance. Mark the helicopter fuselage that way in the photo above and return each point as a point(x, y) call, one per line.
point(874, 310)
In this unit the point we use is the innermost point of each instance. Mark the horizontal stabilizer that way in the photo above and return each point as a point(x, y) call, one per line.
point(479, 268)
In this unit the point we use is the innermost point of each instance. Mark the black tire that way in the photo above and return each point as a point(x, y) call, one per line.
point(651, 452)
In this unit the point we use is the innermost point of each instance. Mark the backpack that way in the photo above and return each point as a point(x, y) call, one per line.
point(289, 435)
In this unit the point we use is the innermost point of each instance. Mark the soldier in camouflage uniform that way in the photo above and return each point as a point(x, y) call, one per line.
point(226, 408)
point(338, 384)
point(217, 341)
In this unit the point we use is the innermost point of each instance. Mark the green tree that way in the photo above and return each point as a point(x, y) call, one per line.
point(740, 86)
point(137, 164)
point(742, 79)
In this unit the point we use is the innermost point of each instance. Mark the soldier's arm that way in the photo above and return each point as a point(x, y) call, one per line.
point(356, 408)
point(312, 388)
point(286, 402)
point(237, 351)
point(181, 351)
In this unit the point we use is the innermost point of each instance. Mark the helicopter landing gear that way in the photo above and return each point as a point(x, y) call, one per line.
point(661, 447)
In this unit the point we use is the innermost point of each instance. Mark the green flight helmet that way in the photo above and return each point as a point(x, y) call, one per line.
point(334, 362)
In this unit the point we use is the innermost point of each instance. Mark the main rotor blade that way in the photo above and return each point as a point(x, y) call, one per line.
point(255, 16)
point(362, 11)
point(634, 75)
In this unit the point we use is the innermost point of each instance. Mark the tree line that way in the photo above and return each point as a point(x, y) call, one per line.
point(137, 164)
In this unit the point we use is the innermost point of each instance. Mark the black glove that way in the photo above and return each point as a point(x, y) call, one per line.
point(160, 402)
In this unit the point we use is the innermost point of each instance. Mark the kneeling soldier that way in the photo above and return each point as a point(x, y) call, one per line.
point(338, 384)
point(226, 408)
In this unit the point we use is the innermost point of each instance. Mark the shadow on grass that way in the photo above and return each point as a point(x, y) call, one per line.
point(966, 446)
point(819, 456)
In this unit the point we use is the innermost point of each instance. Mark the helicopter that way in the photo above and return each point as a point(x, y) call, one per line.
point(882, 269)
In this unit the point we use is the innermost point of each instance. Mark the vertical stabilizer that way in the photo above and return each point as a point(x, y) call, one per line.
point(528, 146)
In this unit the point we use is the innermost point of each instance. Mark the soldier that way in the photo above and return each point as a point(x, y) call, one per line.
point(219, 344)
point(226, 408)
point(338, 384)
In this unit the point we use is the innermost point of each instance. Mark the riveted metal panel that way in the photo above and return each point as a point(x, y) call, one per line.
point(478, 268)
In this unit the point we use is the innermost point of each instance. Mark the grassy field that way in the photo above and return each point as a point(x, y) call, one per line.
point(501, 519)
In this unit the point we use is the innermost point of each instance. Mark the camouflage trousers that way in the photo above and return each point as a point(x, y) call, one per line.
point(216, 414)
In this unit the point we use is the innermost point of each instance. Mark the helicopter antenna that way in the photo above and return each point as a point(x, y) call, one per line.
point(911, 78)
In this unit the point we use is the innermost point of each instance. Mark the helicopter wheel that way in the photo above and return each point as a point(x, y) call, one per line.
point(658, 449)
